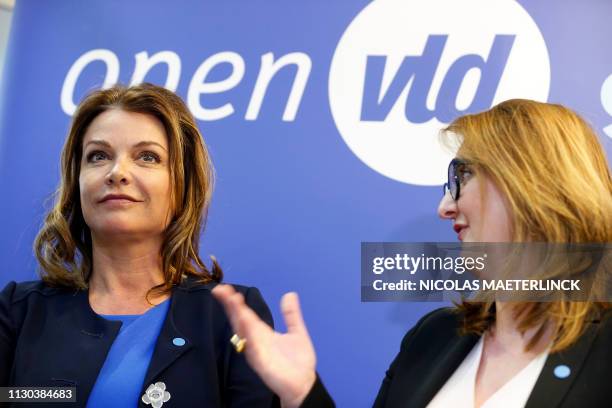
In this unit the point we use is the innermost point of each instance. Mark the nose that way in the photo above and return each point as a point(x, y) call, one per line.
point(447, 209)
point(117, 174)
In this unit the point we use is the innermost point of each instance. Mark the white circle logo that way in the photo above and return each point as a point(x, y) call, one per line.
point(606, 101)
point(404, 69)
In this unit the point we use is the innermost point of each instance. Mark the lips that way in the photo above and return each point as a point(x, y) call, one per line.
point(460, 230)
point(118, 197)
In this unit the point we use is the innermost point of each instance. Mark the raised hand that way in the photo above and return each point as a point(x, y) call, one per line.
point(284, 361)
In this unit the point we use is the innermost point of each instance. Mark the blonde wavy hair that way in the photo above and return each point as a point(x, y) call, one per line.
point(63, 246)
point(548, 163)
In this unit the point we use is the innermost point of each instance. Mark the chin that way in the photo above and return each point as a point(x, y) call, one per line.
point(115, 232)
point(115, 228)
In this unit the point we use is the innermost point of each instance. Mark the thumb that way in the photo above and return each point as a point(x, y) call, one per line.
point(290, 307)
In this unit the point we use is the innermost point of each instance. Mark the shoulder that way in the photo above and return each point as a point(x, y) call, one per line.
point(193, 288)
point(15, 292)
point(195, 284)
point(17, 300)
point(192, 284)
point(445, 317)
point(439, 325)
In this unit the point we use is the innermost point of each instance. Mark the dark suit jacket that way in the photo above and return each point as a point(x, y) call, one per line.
point(432, 351)
point(51, 338)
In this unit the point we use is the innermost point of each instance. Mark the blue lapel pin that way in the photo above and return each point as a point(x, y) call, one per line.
point(562, 371)
point(178, 341)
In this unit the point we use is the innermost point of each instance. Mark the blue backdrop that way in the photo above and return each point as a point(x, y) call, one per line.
point(321, 118)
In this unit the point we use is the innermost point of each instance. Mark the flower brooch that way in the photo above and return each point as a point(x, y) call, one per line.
point(156, 395)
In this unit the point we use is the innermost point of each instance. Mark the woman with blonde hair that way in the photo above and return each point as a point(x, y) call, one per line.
point(525, 172)
point(124, 313)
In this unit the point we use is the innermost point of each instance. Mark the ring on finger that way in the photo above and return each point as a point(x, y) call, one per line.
point(238, 343)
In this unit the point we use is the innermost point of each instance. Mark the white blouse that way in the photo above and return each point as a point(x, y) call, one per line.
point(458, 391)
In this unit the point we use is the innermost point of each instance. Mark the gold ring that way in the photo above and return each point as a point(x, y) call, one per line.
point(238, 343)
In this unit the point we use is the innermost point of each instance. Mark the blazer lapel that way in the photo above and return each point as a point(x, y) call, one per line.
point(560, 371)
point(432, 375)
point(171, 343)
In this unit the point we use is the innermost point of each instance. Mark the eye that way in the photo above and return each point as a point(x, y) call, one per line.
point(96, 156)
point(150, 157)
point(464, 173)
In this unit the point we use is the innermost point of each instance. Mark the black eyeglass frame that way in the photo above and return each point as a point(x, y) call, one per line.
point(453, 185)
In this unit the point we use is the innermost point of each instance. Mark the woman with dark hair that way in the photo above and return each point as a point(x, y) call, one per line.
point(124, 311)
point(525, 172)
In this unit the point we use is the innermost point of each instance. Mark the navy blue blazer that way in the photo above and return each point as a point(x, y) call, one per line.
point(51, 337)
point(577, 377)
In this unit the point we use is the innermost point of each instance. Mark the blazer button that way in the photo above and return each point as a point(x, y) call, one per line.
point(178, 341)
point(562, 371)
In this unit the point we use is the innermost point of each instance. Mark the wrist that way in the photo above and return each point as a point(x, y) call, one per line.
point(298, 395)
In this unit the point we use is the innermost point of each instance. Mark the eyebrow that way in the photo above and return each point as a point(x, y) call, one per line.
point(139, 144)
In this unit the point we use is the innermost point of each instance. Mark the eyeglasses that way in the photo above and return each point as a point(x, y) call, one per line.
point(457, 170)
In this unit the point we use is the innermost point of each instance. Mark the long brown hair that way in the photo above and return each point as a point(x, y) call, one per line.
point(63, 246)
point(548, 163)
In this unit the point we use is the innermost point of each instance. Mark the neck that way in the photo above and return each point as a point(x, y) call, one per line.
point(123, 273)
point(506, 333)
